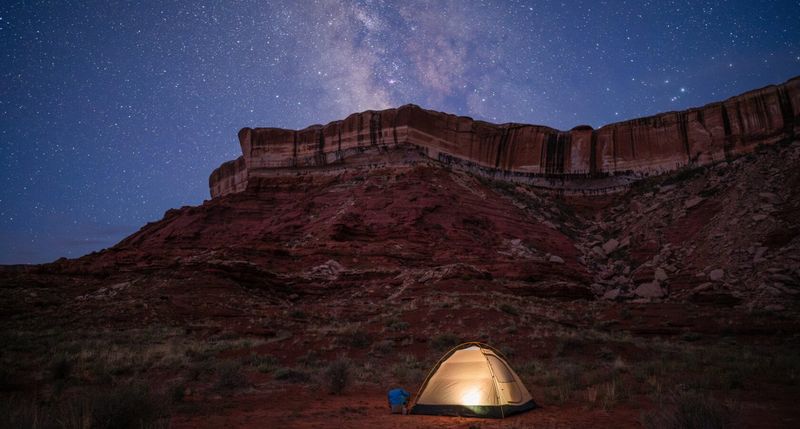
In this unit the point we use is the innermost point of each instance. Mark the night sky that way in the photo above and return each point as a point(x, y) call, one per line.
point(113, 112)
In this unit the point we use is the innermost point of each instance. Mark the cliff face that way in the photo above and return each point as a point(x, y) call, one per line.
point(581, 159)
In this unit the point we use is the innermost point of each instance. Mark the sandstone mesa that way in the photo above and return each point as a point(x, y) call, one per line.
point(582, 160)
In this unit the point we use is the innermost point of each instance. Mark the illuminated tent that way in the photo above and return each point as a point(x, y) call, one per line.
point(472, 380)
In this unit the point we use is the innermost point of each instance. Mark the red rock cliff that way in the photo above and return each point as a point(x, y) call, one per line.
point(581, 158)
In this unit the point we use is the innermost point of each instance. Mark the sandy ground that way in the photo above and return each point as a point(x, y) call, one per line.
point(299, 407)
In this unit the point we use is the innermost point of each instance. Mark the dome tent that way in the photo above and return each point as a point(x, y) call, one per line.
point(472, 380)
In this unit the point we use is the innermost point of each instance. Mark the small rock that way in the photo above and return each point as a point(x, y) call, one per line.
point(652, 208)
point(649, 290)
point(612, 294)
point(597, 250)
point(760, 252)
point(770, 197)
point(610, 246)
point(759, 217)
point(556, 259)
point(703, 286)
point(692, 202)
point(716, 275)
point(781, 278)
point(620, 280)
point(660, 274)
point(774, 307)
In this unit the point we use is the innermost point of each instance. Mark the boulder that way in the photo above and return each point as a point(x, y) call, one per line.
point(649, 290)
point(770, 198)
point(716, 275)
point(610, 246)
point(691, 202)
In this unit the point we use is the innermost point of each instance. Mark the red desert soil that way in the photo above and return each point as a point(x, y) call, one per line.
point(302, 408)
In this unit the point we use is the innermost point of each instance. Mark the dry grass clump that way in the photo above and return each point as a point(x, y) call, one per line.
point(338, 375)
point(444, 342)
point(688, 410)
point(229, 376)
point(291, 375)
point(120, 407)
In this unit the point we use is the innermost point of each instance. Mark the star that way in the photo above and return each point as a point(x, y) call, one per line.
point(114, 113)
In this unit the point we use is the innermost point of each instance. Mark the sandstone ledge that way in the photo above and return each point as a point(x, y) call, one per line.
point(579, 160)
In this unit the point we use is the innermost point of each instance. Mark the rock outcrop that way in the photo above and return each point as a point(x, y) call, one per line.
point(580, 160)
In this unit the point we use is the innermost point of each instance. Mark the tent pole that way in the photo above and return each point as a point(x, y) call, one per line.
point(494, 381)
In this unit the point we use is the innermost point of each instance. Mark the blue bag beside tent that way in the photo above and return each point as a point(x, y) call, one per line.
point(398, 398)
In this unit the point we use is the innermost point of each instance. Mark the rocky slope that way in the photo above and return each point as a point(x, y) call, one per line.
point(718, 237)
point(579, 161)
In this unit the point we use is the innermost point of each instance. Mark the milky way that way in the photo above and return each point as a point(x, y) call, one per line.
point(113, 112)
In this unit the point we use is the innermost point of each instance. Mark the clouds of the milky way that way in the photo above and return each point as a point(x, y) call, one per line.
point(113, 112)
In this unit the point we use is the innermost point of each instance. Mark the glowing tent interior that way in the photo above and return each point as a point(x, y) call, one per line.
point(472, 380)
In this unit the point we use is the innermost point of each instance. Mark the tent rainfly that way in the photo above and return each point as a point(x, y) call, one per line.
point(472, 380)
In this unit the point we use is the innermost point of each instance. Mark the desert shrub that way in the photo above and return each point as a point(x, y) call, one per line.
point(563, 382)
point(264, 363)
point(709, 192)
point(60, 367)
point(122, 407)
point(291, 375)
point(229, 376)
point(7, 379)
point(259, 361)
point(783, 368)
point(507, 350)
point(297, 314)
point(509, 329)
point(383, 346)
point(397, 325)
point(24, 413)
point(355, 338)
point(691, 336)
point(605, 353)
point(606, 395)
point(531, 367)
point(683, 174)
point(510, 309)
point(338, 375)
point(176, 392)
point(310, 359)
point(443, 342)
point(405, 374)
point(408, 369)
point(571, 343)
point(688, 410)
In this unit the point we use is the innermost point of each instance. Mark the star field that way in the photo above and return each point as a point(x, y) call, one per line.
point(113, 112)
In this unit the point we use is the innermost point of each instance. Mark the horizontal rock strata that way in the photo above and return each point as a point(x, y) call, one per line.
point(581, 160)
